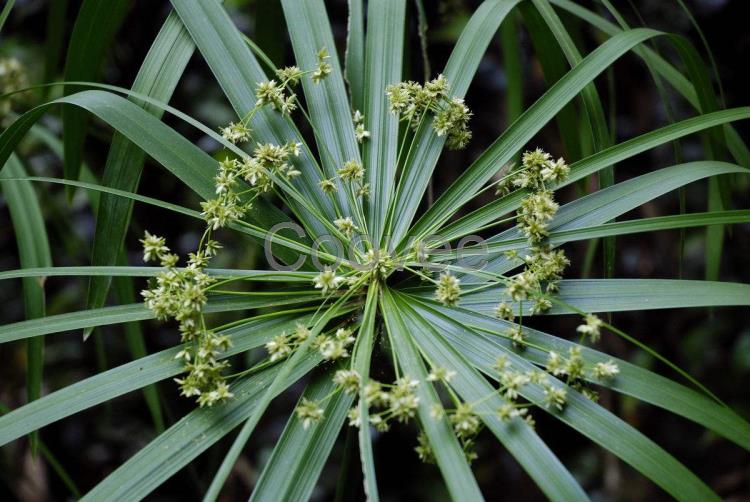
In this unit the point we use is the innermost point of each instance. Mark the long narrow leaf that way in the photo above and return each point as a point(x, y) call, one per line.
point(159, 74)
point(520, 439)
point(126, 378)
point(33, 251)
point(621, 295)
point(516, 136)
point(611, 202)
point(593, 163)
point(383, 62)
point(354, 59)
point(93, 33)
point(632, 380)
point(300, 453)
point(362, 360)
point(138, 312)
point(189, 437)
point(238, 72)
point(448, 452)
point(327, 101)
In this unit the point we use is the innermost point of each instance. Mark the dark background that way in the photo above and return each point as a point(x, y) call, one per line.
point(714, 345)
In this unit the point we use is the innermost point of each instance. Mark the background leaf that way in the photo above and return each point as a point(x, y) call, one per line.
point(96, 25)
point(33, 251)
point(159, 74)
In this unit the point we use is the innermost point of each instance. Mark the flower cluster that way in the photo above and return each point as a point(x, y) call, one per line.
point(543, 266)
point(272, 93)
point(412, 102)
point(393, 402)
point(324, 68)
point(308, 412)
point(268, 163)
point(537, 169)
point(335, 346)
point(331, 346)
point(386, 402)
point(574, 369)
point(591, 327)
point(448, 290)
point(327, 280)
point(236, 132)
point(181, 294)
point(512, 382)
point(462, 416)
point(284, 344)
point(12, 78)
point(351, 173)
point(466, 420)
point(279, 95)
point(359, 127)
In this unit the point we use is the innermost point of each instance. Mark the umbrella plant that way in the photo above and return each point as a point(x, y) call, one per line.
point(362, 271)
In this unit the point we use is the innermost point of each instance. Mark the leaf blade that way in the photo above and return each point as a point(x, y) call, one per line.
point(448, 453)
point(158, 76)
point(383, 61)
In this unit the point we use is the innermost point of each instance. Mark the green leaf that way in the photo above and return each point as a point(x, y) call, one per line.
point(6, 12)
point(260, 235)
point(127, 378)
point(33, 251)
point(446, 448)
point(621, 295)
point(558, 237)
point(576, 137)
point(354, 59)
point(383, 62)
point(513, 66)
point(361, 364)
point(158, 76)
point(190, 164)
point(93, 33)
point(630, 227)
point(585, 416)
point(187, 162)
point(138, 312)
point(517, 437)
point(300, 454)
point(125, 271)
point(594, 112)
point(191, 436)
point(460, 70)
point(327, 101)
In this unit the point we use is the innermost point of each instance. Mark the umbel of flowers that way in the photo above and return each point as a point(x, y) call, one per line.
point(181, 293)
point(415, 103)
